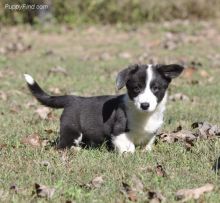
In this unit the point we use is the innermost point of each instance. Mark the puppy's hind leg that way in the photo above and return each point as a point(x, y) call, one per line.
point(68, 137)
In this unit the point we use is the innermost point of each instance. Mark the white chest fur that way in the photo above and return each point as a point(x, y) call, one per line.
point(144, 125)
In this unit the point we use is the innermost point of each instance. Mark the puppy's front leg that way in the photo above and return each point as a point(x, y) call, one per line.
point(122, 143)
point(149, 145)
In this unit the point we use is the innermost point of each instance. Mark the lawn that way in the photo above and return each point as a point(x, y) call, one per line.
point(85, 61)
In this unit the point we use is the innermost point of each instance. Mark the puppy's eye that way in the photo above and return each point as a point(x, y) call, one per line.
point(136, 89)
point(155, 88)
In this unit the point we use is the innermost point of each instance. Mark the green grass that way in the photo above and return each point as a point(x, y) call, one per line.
point(79, 51)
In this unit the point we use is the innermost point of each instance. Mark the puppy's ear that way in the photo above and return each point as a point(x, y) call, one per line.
point(170, 71)
point(124, 75)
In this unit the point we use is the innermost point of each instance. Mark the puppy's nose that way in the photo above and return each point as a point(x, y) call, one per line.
point(145, 106)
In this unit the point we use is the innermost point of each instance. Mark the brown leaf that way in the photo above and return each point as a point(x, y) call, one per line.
point(203, 74)
point(137, 184)
point(33, 140)
point(43, 112)
point(55, 90)
point(179, 96)
point(182, 135)
point(129, 192)
point(195, 193)
point(49, 131)
point(15, 108)
point(160, 171)
point(206, 130)
point(97, 182)
point(3, 96)
point(58, 69)
point(30, 104)
point(189, 72)
point(14, 188)
point(155, 197)
point(125, 55)
point(44, 191)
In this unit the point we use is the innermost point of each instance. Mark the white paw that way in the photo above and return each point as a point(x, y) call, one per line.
point(123, 144)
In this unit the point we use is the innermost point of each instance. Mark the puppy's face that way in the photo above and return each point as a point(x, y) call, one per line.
point(147, 84)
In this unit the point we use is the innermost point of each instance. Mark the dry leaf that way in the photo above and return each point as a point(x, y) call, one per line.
point(182, 135)
point(58, 69)
point(30, 104)
point(44, 191)
point(155, 197)
point(97, 182)
point(206, 130)
point(43, 112)
point(46, 164)
point(55, 90)
point(33, 140)
point(14, 188)
point(125, 55)
point(179, 96)
point(49, 131)
point(129, 192)
point(3, 96)
point(160, 171)
point(195, 193)
point(15, 108)
point(137, 184)
point(203, 74)
point(189, 71)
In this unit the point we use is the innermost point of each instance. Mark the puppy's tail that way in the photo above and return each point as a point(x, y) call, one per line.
point(43, 97)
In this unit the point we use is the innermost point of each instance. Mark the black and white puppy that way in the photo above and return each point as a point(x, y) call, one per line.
point(122, 122)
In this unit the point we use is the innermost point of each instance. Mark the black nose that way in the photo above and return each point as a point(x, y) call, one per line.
point(145, 106)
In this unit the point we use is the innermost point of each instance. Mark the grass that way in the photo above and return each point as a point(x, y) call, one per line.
point(91, 72)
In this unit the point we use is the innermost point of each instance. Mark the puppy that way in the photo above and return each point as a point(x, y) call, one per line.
point(121, 121)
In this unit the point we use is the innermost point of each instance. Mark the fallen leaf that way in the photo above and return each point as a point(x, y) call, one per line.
point(43, 112)
point(49, 131)
point(97, 182)
point(203, 74)
point(206, 130)
point(13, 188)
point(44, 191)
point(182, 135)
point(15, 108)
point(70, 201)
point(189, 72)
point(3, 96)
point(33, 140)
point(195, 193)
point(55, 90)
point(125, 55)
point(155, 197)
point(46, 164)
point(129, 192)
point(137, 184)
point(179, 96)
point(30, 104)
point(58, 69)
point(147, 169)
point(160, 171)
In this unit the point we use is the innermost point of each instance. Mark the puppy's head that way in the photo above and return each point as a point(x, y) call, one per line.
point(147, 84)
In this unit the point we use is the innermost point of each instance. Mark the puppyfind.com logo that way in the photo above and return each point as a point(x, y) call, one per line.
point(26, 6)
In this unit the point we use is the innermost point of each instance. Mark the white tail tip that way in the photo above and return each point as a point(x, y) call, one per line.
point(29, 79)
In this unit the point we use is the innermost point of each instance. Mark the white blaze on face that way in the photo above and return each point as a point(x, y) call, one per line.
point(147, 95)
